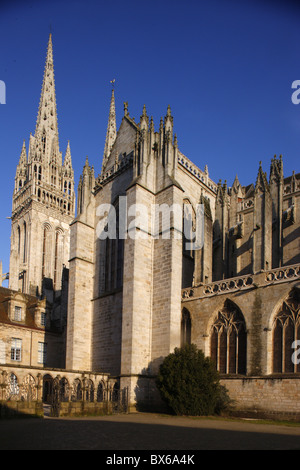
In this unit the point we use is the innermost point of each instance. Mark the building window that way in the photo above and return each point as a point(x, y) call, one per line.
point(114, 255)
point(25, 244)
point(46, 252)
point(186, 327)
point(43, 319)
point(286, 330)
point(228, 340)
point(16, 349)
point(42, 353)
point(188, 235)
point(18, 313)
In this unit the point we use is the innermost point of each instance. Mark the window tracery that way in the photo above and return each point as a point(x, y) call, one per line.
point(228, 340)
point(286, 330)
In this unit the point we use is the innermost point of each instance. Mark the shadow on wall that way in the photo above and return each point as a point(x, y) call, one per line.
point(146, 392)
point(21, 409)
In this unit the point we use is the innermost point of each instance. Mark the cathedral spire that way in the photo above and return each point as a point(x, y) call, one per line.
point(47, 114)
point(111, 129)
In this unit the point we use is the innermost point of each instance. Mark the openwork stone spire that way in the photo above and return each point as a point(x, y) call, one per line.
point(47, 115)
point(111, 130)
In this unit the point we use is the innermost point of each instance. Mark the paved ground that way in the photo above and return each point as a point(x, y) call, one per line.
point(145, 431)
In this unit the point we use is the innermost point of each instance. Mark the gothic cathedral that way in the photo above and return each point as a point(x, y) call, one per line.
point(133, 298)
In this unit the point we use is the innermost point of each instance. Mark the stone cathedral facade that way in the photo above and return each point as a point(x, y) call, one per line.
point(135, 296)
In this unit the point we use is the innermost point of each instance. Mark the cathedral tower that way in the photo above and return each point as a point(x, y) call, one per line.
point(43, 201)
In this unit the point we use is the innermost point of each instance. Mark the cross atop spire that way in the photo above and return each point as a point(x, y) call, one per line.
point(111, 129)
point(47, 115)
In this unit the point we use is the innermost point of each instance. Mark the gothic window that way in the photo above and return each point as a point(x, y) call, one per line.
point(286, 330)
point(228, 340)
point(58, 254)
point(186, 327)
point(25, 243)
point(19, 239)
point(46, 251)
point(40, 174)
point(114, 249)
point(53, 175)
point(188, 226)
point(188, 258)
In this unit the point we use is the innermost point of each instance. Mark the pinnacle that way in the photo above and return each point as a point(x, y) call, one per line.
point(111, 132)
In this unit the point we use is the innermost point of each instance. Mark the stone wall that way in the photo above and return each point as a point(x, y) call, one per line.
point(274, 397)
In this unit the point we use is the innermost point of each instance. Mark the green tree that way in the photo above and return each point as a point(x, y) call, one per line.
point(189, 383)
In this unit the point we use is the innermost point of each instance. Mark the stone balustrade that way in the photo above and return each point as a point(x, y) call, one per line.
point(249, 281)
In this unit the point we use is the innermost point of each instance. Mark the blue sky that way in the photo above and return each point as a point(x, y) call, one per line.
point(224, 66)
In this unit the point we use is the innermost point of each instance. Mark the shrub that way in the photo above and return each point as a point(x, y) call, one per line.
point(189, 383)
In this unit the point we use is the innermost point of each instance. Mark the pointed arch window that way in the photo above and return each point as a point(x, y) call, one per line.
point(46, 251)
point(58, 258)
point(286, 330)
point(25, 243)
point(19, 239)
point(186, 327)
point(228, 340)
point(114, 250)
point(188, 233)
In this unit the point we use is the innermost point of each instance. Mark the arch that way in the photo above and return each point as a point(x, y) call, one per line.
point(24, 242)
point(114, 257)
point(186, 327)
point(28, 390)
point(64, 389)
point(46, 250)
point(19, 238)
point(40, 174)
point(188, 254)
point(77, 390)
point(13, 388)
point(89, 390)
point(58, 256)
point(286, 330)
point(228, 340)
point(47, 388)
point(101, 389)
